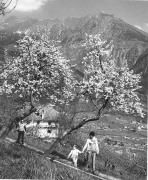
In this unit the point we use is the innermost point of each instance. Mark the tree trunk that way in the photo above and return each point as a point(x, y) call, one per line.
point(74, 128)
point(6, 129)
point(53, 146)
point(56, 142)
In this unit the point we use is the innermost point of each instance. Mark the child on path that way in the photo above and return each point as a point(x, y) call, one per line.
point(21, 130)
point(91, 147)
point(74, 155)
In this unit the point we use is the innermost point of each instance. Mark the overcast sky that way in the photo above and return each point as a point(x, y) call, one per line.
point(134, 12)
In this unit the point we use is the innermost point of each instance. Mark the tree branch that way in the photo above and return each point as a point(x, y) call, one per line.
point(74, 128)
point(6, 129)
point(31, 99)
point(100, 60)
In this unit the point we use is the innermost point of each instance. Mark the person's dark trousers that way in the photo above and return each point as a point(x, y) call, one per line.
point(20, 138)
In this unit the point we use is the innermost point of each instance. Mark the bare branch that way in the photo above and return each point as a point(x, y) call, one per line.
point(6, 129)
point(74, 128)
point(31, 99)
point(5, 5)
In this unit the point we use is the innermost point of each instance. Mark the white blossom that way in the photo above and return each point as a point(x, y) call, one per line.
point(41, 69)
point(103, 78)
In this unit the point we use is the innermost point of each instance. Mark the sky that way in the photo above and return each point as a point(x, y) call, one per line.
point(134, 12)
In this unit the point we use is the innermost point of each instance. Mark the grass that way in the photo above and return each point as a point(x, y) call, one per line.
point(33, 141)
point(20, 163)
point(120, 166)
point(116, 165)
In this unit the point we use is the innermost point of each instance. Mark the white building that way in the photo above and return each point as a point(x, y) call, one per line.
point(45, 124)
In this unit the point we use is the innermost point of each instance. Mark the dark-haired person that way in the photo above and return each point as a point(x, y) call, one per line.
point(92, 148)
point(21, 130)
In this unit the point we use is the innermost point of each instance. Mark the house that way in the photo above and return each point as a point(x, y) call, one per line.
point(45, 122)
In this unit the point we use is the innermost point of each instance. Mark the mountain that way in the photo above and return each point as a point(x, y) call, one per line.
point(129, 42)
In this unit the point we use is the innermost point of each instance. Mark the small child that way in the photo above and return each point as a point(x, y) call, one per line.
point(74, 155)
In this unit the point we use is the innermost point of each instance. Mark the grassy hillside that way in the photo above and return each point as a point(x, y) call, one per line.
point(20, 163)
point(116, 134)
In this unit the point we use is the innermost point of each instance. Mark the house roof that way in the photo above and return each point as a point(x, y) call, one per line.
point(47, 113)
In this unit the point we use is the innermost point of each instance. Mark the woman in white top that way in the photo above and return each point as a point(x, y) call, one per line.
point(92, 148)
